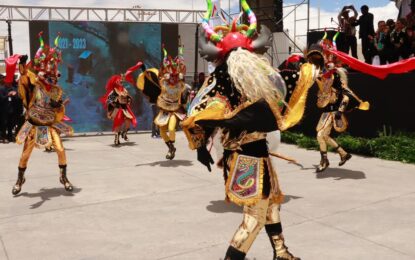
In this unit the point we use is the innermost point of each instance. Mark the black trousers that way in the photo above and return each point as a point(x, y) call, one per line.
point(367, 49)
point(387, 56)
point(351, 44)
point(154, 129)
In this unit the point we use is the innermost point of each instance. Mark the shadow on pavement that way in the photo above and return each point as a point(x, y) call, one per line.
point(340, 174)
point(123, 144)
point(221, 206)
point(288, 198)
point(48, 194)
point(168, 163)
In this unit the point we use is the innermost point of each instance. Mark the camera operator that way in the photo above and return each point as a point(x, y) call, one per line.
point(348, 27)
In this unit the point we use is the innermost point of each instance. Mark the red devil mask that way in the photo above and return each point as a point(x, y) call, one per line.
point(216, 43)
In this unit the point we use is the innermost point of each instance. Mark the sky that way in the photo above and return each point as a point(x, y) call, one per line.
point(382, 9)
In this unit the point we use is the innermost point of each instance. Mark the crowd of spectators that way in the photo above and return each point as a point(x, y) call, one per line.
point(391, 41)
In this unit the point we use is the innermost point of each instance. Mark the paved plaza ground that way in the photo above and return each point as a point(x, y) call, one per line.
point(130, 203)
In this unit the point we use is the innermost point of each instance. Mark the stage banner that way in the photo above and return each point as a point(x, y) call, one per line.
point(92, 53)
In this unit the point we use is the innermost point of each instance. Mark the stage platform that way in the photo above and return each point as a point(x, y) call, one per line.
point(391, 101)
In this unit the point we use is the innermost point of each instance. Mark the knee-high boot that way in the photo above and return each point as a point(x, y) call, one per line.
point(64, 179)
point(172, 150)
point(274, 232)
point(124, 135)
point(324, 162)
point(20, 181)
point(234, 254)
point(117, 138)
point(344, 156)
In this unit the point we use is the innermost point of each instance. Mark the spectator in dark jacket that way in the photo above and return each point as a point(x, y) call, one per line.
point(383, 44)
point(411, 36)
point(366, 32)
point(400, 41)
point(3, 114)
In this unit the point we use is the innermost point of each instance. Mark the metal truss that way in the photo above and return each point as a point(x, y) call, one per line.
point(72, 14)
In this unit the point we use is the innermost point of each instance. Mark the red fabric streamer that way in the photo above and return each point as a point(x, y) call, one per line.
point(67, 118)
point(129, 72)
point(11, 63)
point(120, 118)
point(134, 119)
point(381, 71)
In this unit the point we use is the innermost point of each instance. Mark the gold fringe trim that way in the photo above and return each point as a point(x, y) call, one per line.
point(233, 198)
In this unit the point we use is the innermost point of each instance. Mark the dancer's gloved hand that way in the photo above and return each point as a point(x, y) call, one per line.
point(204, 157)
point(338, 115)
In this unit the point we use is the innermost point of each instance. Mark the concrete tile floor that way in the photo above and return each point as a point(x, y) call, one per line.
point(130, 203)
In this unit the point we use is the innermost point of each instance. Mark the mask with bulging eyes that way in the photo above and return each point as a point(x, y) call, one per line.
point(46, 61)
point(173, 70)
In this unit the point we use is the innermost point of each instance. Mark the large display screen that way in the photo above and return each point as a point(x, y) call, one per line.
point(92, 52)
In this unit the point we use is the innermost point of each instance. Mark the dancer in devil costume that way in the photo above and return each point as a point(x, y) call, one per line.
point(117, 101)
point(42, 98)
point(333, 98)
point(167, 89)
point(244, 98)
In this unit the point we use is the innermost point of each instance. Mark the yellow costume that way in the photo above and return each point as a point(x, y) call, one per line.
point(42, 99)
point(167, 89)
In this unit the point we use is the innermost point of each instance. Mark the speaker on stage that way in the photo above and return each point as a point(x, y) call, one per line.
point(316, 35)
point(269, 13)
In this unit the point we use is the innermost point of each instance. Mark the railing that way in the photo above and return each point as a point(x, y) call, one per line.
point(49, 13)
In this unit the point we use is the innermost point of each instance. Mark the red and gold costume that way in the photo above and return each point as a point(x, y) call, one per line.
point(244, 98)
point(42, 98)
point(117, 101)
point(166, 88)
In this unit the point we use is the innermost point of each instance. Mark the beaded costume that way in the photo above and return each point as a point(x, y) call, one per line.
point(45, 111)
point(244, 98)
point(166, 88)
point(117, 102)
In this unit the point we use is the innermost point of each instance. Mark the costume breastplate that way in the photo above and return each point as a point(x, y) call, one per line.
point(41, 113)
point(326, 94)
point(169, 99)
